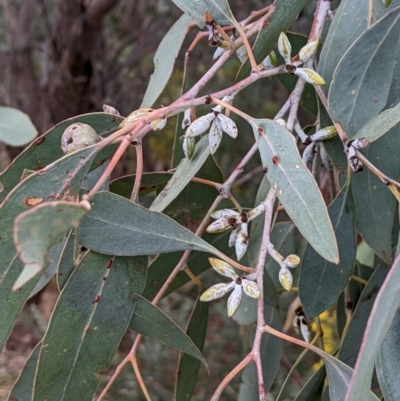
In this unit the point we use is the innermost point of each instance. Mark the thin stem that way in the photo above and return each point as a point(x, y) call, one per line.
point(253, 63)
point(235, 202)
point(193, 278)
point(359, 280)
point(139, 170)
point(231, 108)
point(139, 378)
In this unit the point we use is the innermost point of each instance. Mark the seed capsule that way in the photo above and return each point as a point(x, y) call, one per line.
point(78, 136)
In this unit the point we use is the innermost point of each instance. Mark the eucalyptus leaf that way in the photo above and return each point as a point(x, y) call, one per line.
point(164, 59)
point(188, 366)
point(381, 124)
point(92, 314)
point(62, 178)
point(282, 17)
point(37, 229)
point(219, 9)
point(382, 314)
point(313, 386)
point(387, 361)
point(67, 261)
point(150, 321)
point(321, 281)
point(47, 148)
point(295, 187)
point(362, 80)
point(185, 171)
point(16, 128)
point(116, 226)
point(23, 387)
point(352, 18)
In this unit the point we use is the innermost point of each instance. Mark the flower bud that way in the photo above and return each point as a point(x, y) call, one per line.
point(359, 143)
point(189, 146)
point(285, 278)
point(110, 110)
point(215, 135)
point(232, 238)
point(270, 61)
point(234, 300)
point(309, 76)
point(228, 99)
point(216, 291)
point(326, 159)
point(242, 241)
point(292, 261)
point(187, 119)
point(250, 288)
point(241, 54)
point(135, 116)
point(307, 52)
point(223, 268)
point(353, 159)
point(228, 125)
point(159, 124)
point(324, 134)
point(299, 131)
point(200, 126)
point(78, 136)
point(285, 48)
point(308, 154)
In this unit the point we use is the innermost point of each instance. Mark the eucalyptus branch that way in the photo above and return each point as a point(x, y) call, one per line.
point(139, 170)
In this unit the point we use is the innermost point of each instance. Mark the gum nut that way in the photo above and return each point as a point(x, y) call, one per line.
point(285, 278)
point(250, 288)
point(216, 291)
point(134, 116)
point(78, 136)
point(223, 268)
point(310, 76)
point(110, 110)
point(234, 300)
point(292, 261)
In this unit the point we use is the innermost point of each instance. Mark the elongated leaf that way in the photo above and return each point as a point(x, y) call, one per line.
point(270, 352)
point(16, 128)
point(383, 311)
point(67, 260)
point(296, 188)
point(350, 21)
point(37, 229)
point(362, 80)
point(285, 12)
point(54, 256)
point(116, 226)
point(47, 148)
point(62, 177)
point(381, 124)
point(185, 171)
point(313, 386)
point(91, 315)
point(164, 60)
point(23, 387)
point(219, 9)
point(188, 366)
point(151, 321)
point(354, 334)
point(387, 361)
point(321, 282)
point(375, 204)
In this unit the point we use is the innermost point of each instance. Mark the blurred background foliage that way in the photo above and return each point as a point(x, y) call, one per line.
point(59, 59)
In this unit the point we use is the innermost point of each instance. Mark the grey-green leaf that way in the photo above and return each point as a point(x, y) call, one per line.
point(383, 311)
point(388, 360)
point(321, 282)
point(47, 148)
point(351, 19)
point(63, 178)
point(23, 387)
point(152, 322)
point(296, 188)
point(37, 229)
point(362, 80)
point(188, 366)
point(285, 12)
point(185, 171)
point(380, 125)
point(16, 128)
point(164, 60)
point(116, 226)
point(219, 9)
point(90, 318)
